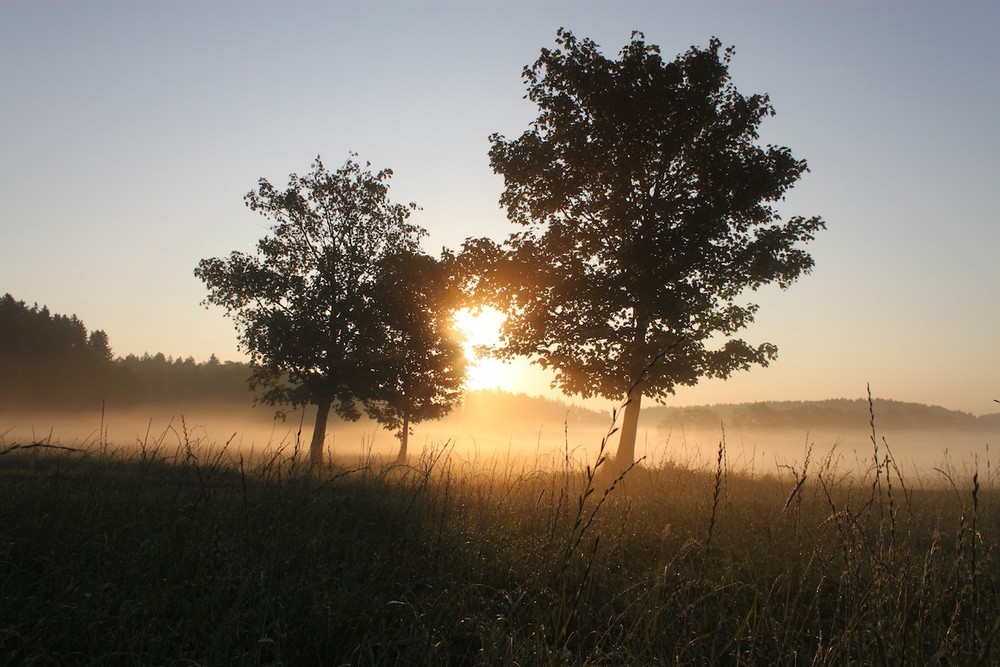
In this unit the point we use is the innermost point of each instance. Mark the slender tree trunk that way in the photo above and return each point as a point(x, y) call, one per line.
point(630, 427)
point(319, 432)
point(630, 421)
point(404, 438)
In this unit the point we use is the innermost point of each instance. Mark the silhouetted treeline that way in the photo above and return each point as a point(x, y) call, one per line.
point(852, 414)
point(165, 380)
point(50, 361)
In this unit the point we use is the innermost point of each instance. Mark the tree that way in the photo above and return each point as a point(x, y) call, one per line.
point(649, 214)
point(99, 345)
point(306, 304)
point(421, 365)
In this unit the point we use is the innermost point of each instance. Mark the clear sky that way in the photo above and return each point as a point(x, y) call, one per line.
point(130, 131)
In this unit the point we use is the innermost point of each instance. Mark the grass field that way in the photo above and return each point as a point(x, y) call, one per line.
point(193, 554)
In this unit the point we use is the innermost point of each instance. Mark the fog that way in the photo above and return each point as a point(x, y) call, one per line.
point(916, 453)
point(920, 455)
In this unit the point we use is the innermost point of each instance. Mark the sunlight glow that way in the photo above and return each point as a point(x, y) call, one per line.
point(478, 329)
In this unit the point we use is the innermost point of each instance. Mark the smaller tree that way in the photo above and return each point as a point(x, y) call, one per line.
point(306, 303)
point(421, 366)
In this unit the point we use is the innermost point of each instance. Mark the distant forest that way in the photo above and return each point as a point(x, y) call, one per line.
point(51, 362)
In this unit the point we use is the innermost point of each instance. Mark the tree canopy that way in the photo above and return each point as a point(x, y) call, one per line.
point(648, 211)
point(421, 367)
point(303, 303)
point(307, 304)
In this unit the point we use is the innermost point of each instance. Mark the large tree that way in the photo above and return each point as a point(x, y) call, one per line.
point(648, 209)
point(421, 366)
point(306, 304)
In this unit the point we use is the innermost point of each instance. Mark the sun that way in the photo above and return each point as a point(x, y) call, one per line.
point(477, 329)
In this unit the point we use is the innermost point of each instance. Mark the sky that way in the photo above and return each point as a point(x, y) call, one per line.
point(130, 132)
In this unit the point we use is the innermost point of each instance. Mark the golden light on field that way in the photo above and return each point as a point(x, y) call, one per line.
point(478, 329)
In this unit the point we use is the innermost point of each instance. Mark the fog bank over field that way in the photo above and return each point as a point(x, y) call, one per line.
point(771, 451)
point(495, 425)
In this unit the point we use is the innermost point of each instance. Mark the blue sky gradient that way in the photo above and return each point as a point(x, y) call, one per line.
point(130, 131)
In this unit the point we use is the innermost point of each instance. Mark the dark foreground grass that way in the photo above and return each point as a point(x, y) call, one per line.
point(203, 558)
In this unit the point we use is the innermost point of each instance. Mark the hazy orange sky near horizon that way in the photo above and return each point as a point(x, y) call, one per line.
point(131, 132)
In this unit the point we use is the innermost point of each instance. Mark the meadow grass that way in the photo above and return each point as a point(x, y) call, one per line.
point(199, 555)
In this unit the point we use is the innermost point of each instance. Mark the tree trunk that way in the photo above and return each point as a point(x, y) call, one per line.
point(319, 432)
point(404, 438)
point(630, 421)
point(630, 427)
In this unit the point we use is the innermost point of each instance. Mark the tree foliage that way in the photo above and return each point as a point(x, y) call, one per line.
point(421, 365)
point(307, 304)
point(649, 212)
